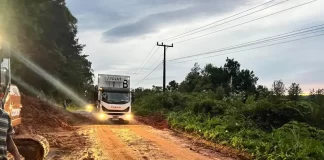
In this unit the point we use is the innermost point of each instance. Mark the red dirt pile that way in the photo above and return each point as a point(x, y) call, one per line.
point(38, 116)
point(54, 123)
point(157, 121)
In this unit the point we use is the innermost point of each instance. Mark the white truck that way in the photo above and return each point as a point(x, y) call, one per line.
point(114, 97)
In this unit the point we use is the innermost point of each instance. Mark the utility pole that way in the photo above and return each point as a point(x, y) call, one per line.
point(164, 60)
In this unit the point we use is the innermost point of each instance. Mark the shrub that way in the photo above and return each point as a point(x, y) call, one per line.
point(267, 115)
point(220, 93)
point(266, 129)
point(209, 106)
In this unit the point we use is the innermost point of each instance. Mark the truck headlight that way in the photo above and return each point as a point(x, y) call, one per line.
point(128, 116)
point(102, 116)
point(89, 108)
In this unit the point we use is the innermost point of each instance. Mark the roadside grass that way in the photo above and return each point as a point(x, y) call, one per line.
point(267, 129)
point(72, 108)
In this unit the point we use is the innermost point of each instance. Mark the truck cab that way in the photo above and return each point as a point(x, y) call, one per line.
point(114, 97)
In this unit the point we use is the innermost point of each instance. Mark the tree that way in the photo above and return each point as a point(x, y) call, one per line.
point(320, 92)
point(262, 92)
point(245, 81)
point(192, 81)
point(213, 77)
point(220, 93)
point(44, 31)
point(229, 77)
point(278, 88)
point(173, 85)
point(317, 96)
point(232, 67)
point(294, 92)
point(156, 88)
point(240, 80)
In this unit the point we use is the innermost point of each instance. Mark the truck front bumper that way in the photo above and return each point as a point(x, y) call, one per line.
point(119, 116)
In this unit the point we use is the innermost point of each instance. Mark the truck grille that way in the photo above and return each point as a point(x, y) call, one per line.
point(116, 114)
point(109, 110)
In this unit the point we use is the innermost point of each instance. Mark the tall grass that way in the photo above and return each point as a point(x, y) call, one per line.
point(265, 129)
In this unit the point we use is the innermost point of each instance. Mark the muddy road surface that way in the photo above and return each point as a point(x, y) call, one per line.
point(127, 142)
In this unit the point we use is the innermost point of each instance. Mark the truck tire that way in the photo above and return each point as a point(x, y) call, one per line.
point(126, 122)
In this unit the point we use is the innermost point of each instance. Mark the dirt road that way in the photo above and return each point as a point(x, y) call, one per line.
point(128, 142)
point(80, 136)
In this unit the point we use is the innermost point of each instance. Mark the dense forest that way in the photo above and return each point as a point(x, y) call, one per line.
point(226, 105)
point(44, 31)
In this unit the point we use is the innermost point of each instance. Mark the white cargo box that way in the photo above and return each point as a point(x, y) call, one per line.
point(113, 81)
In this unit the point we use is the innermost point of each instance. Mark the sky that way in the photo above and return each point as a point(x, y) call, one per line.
point(119, 36)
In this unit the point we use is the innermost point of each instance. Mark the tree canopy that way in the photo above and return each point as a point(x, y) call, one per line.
point(44, 31)
point(230, 77)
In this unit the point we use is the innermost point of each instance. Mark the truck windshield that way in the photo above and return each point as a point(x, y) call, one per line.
point(115, 98)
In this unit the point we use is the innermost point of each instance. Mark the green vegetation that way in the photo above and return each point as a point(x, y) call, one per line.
point(225, 105)
point(72, 108)
point(45, 32)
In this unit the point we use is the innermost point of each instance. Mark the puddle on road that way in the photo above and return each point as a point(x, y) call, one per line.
point(145, 148)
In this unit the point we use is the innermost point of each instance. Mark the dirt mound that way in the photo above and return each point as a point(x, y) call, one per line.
point(157, 121)
point(38, 116)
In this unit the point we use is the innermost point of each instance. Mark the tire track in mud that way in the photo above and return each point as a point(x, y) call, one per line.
point(145, 148)
point(166, 145)
point(111, 147)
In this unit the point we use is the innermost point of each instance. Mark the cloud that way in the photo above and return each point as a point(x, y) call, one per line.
point(154, 22)
point(132, 28)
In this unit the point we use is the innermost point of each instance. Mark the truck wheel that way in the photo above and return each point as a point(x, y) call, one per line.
point(126, 122)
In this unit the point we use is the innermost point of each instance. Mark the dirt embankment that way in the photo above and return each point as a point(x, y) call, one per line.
point(57, 125)
point(38, 116)
point(157, 121)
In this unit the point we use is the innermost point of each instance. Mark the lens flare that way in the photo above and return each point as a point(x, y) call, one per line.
point(55, 82)
point(34, 91)
point(129, 116)
point(89, 108)
point(102, 116)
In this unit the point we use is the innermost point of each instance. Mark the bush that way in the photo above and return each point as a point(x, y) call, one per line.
point(220, 93)
point(293, 140)
point(266, 129)
point(267, 115)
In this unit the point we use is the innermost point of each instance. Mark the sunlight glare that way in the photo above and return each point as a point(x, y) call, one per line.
point(55, 82)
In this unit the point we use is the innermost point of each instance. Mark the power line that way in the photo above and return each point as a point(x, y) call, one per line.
point(253, 48)
point(141, 67)
point(156, 60)
point(167, 39)
point(154, 64)
point(246, 44)
point(263, 40)
point(246, 22)
point(148, 74)
point(231, 19)
point(151, 56)
point(200, 28)
point(158, 77)
point(268, 39)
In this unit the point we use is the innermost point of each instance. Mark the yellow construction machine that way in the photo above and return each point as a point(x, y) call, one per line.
point(30, 146)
